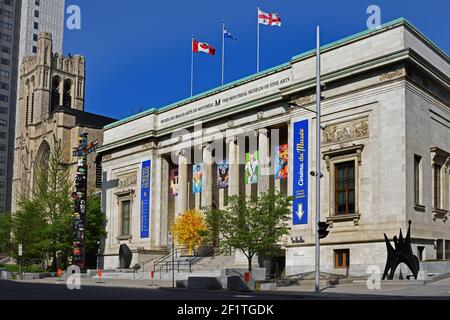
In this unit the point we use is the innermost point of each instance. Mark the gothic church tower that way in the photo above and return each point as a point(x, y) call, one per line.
point(50, 110)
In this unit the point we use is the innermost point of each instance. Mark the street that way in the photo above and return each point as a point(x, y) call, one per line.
point(49, 289)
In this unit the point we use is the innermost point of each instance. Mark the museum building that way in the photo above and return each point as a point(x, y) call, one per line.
point(385, 153)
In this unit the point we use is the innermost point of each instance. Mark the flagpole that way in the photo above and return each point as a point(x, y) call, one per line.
point(257, 44)
point(223, 51)
point(318, 159)
point(192, 66)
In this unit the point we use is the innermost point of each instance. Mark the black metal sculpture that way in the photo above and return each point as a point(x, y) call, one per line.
point(401, 253)
point(125, 256)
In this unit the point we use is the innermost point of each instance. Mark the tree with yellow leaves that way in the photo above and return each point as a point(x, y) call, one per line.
point(189, 229)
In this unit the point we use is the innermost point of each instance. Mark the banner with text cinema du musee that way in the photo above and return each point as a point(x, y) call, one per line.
point(300, 173)
point(145, 199)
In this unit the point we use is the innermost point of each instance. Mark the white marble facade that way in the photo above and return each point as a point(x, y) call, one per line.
point(387, 103)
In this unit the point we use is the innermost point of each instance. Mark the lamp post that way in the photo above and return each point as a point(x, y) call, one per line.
point(318, 146)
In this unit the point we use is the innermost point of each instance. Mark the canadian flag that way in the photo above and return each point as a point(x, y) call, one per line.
point(203, 47)
point(269, 19)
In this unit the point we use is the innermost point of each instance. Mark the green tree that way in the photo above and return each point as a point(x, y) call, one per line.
point(51, 192)
point(95, 228)
point(5, 233)
point(252, 225)
point(29, 228)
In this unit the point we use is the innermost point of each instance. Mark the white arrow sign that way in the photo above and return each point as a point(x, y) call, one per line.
point(300, 212)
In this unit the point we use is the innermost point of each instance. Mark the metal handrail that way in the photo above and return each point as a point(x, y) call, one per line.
point(164, 262)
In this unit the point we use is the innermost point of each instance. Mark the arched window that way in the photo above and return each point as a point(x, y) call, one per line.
point(67, 96)
point(41, 165)
point(43, 156)
point(54, 100)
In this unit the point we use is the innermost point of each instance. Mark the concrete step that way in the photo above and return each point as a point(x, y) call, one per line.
point(159, 275)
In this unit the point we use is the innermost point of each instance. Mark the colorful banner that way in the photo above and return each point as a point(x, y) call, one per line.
point(145, 199)
point(223, 175)
point(251, 167)
point(197, 178)
point(300, 169)
point(281, 162)
point(174, 182)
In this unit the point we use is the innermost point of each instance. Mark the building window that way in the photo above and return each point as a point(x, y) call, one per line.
point(344, 167)
point(5, 62)
point(36, 2)
point(35, 37)
point(4, 74)
point(98, 173)
point(420, 251)
point(67, 94)
point(3, 98)
point(439, 249)
point(437, 186)
point(2, 184)
point(2, 159)
point(342, 259)
point(2, 197)
point(2, 147)
point(447, 249)
point(6, 49)
point(345, 188)
point(2, 172)
point(36, 26)
point(6, 13)
point(2, 123)
point(5, 37)
point(125, 215)
point(34, 49)
point(36, 13)
point(5, 25)
point(417, 179)
point(55, 98)
point(4, 86)
point(3, 110)
point(440, 164)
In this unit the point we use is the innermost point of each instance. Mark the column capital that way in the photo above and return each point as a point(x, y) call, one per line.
point(264, 131)
point(181, 153)
point(232, 139)
point(207, 146)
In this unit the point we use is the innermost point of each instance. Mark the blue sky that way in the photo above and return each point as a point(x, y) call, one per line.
point(138, 52)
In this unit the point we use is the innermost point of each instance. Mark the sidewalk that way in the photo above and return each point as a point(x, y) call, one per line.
point(440, 289)
point(112, 283)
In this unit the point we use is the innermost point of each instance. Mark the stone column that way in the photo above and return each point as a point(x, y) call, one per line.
point(264, 160)
point(156, 197)
point(207, 190)
point(290, 159)
point(233, 151)
point(164, 202)
point(183, 192)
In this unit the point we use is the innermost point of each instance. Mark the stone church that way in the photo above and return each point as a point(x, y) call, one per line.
point(50, 111)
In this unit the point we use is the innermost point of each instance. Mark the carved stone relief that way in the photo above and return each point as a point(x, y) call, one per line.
point(127, 180)
point(347, 131)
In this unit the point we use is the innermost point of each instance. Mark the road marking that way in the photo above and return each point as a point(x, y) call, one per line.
point(242, 296)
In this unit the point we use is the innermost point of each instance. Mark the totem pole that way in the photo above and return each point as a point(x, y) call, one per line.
point(80, 199)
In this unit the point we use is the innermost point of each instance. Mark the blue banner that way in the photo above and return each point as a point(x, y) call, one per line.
point(145, 199)
point(301, 173)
